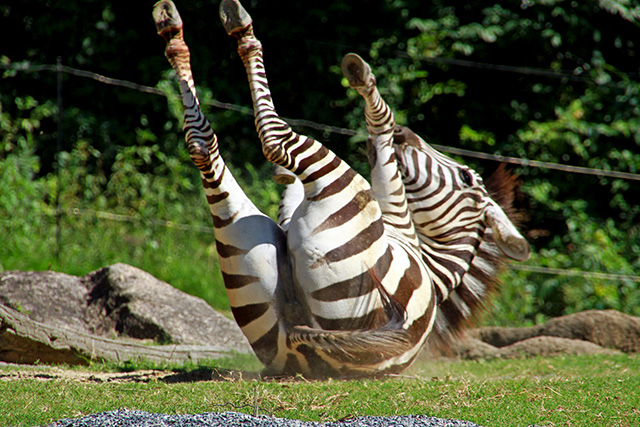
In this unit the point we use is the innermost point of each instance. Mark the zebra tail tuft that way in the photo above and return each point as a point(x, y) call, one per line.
point(361, 347)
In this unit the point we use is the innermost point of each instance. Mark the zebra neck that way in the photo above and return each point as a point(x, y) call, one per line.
point(473, 290)
point(450, 261)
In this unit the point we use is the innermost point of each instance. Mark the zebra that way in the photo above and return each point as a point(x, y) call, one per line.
point(369, 307)
point(339, 286)
point(464, 234)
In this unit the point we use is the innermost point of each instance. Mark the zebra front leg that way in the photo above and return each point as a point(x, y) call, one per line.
point(251, 247)
point(386, 180)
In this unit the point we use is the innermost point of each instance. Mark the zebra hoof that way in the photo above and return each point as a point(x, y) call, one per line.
point(357, 72)
point(166, 17)
point(282, 175)
point(198, 152)
point(234, 17)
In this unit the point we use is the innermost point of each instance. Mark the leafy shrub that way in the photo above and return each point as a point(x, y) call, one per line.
point(547, 80)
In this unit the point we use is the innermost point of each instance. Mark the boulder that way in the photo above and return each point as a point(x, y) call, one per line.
point(605, 328)
point(115, 302)
point(25, 341)
point(587, 332)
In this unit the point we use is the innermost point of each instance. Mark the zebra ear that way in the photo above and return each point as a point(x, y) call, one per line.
point(506, 235)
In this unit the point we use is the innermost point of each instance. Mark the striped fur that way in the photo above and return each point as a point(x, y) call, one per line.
point(446, 204)
point(451, 209)
point(351, 279)
point(386, 180)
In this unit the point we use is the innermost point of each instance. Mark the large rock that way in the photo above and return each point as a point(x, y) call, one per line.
point(23, 340)
point(605, 328)
point(587, 332)
point(136, 304)
point(470, 348)
point(49, 297)
point(119, 301)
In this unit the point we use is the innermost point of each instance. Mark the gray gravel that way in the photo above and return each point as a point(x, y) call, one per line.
point(127, 418)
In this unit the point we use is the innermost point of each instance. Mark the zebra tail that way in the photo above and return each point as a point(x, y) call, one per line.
point(362, 347)
point(368, 346)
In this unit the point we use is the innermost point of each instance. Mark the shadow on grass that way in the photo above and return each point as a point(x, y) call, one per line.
point(210, 374)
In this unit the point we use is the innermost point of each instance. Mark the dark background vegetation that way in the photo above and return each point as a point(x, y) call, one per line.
point(551, 80)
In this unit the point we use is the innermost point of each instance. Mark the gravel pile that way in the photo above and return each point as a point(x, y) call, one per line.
point(127, 418)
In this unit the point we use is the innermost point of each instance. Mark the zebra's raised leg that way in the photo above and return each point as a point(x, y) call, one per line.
point(328, 184)
point(251, 247)
point(386, 180)
point(341, 250)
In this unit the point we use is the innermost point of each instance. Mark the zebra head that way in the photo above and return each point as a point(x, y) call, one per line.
point(449, 201)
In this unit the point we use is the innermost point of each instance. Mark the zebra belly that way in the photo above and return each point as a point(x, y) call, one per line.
point(333, 266)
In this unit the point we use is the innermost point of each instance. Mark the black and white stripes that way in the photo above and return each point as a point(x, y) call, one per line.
point(353, 277)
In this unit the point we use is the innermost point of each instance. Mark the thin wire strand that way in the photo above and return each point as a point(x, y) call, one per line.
point(539, 164)
point(342, 131)
point(576, 273)
point(331, 129)
point(128, 218)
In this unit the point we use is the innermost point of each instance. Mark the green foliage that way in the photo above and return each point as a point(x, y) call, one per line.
point(548, 80)
point(145, 211)
point(21, 196)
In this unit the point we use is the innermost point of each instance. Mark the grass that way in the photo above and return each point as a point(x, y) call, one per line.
point(573, 391)
point(185, 258)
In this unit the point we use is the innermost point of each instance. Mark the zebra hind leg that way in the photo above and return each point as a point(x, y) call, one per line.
point(234, 17)
point(251, 247)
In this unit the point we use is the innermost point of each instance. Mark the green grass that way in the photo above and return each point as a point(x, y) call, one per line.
point(184, 258)
point(574, 391)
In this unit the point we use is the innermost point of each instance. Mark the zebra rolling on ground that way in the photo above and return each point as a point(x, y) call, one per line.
point(343, 285)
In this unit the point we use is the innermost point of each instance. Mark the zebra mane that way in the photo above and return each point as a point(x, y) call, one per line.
point(502, 186)
point(472, 298)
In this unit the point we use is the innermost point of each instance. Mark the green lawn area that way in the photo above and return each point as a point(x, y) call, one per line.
point(571, 391)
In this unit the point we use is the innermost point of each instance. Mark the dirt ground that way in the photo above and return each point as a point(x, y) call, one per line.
point(14, 372)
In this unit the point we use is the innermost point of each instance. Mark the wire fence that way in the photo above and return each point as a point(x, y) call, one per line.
point(59, 68)
point(201, 229)
point(101, 215)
